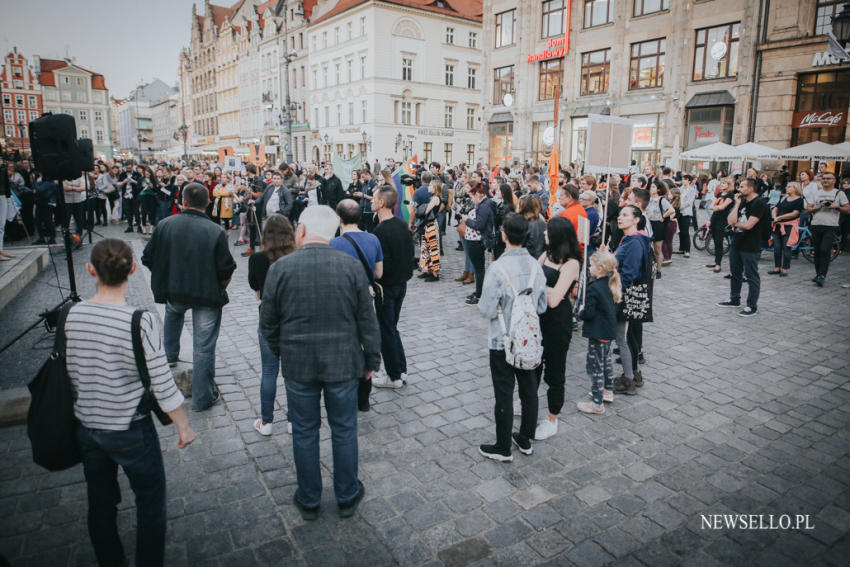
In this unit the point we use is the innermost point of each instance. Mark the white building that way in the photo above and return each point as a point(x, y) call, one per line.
point(135, 124)
point(165, 122)
point(396, 79)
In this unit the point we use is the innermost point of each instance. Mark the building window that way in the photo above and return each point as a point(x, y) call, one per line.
point(33, 114)
point(349, 66)
point(644, 7)
point(450, 75)
point(339, 150)
point(505, 28)
point(406, 69)
point(470, 118)
point(19, 84)
point(336, 35)
point(363, 111)
point(473, 40)
point(426, 147)
point(8, 116)
point(98, 136)
point(19, 100)
point(338, 114)
point(597, 13)
point(448, 117)
point(327, 116)
point(7, 100)
point(324, 76)
point(471, 73)
point(405, 113)
point(66, 95)
point(66, 80)
point(827, 95)
point(470, 153)
point(350, 113)
point(595, 69)
point(22, 115)
point(348, 32)
point(503, 82)
point(646, 69)
point(10, 131)
point(315, 79)
point(84, 132)
point(709, 125)
point(551, 74)
point(447, 154)
point(84, 115)
point(716, 52)
point(363, 25)
point(827, 9)
point(32, 101)
point(337, 74)
point(324, 39)
point(363, 67)
point(553, 18)
point(450, 35)
point(315, 118)
point(79, 81)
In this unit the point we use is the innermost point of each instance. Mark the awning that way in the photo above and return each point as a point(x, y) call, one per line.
point(585, 110)
point(711, 98)
point(501, 117)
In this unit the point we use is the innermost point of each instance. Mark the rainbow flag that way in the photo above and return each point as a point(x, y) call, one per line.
point(405, 192)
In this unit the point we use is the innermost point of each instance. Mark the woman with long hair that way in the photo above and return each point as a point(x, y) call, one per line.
point(504, 199)
point(786, 220)
point(278, 240)
point(719, 213)
point(112, 428)
point(479, 236)
point(658, 212)
point(223, 193)
point(429, 258)
point(531, 208)
point(561, 263)
point(147, 194)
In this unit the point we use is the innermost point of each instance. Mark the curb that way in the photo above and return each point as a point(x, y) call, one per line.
point(14, 404)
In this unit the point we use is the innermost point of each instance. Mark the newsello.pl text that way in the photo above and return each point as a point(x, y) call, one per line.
point(755, 522)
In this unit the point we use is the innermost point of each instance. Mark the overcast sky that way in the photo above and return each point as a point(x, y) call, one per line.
point(125, 40)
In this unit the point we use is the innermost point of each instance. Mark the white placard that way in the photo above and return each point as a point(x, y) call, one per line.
point(583, 231)
point(231, 163)
point(609, 144)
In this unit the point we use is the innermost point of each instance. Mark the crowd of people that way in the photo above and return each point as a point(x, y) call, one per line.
point(330, 264)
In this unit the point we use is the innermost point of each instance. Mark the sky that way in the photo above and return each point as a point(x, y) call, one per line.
point(127, 41)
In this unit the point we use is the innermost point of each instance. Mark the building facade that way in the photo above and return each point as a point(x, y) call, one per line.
point(20, 100)
point(683, 70)
point(395, 79)
point(802, 92)
point(70, 89)
point(165, 124)
point(135, 118)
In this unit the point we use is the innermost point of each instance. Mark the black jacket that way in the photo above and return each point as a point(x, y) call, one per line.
point(331, 192)
point(600, 312)
point(285, 201)
point(189, 260)
point(484, 222)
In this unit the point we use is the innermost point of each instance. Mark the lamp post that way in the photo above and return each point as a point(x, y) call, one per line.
point(138, 130)
point(184, 66)
point(841, 25)
point(288, 56)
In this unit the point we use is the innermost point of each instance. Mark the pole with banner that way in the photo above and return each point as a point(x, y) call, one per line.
point(584, 239)
point(609, 145)
point(554, 166)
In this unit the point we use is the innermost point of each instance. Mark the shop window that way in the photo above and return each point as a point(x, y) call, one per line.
point(646, 67)
point(579, 139)
point(716, 52)
point(821, 109)
point(644, 7)
point(551, 75)
point(503, 83)
point(709, 125)
point(553, 18)
point(505, 28)
point(597, 13)
point(595, 70)
point(826, 10)
point(501, 142)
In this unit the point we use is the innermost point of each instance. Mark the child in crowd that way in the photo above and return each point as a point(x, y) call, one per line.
point(600, 322)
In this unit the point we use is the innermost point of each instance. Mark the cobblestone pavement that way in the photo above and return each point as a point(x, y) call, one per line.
point(738, 416)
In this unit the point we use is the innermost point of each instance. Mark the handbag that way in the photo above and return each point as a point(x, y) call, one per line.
point(375, 287)
point(51, 424)
point(461, 229)
point(148, 402)
point(637, 299)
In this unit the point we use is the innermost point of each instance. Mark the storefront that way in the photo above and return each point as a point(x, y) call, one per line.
point(578, 140)
point(647, 139)
point(709, 118)
point(541, 145)
point(501, 130)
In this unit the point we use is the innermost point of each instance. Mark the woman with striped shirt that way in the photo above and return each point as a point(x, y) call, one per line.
point(108, 390)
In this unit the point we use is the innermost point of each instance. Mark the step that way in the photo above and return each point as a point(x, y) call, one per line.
point(18, 272)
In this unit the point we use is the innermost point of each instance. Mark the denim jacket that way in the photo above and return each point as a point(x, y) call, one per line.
point(518, 264)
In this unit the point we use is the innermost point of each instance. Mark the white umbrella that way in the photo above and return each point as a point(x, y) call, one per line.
point(843, 146)
point(818, 150)
point(718, 151)
point(751, 150)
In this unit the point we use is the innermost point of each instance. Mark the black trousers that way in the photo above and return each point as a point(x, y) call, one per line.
point(684, 232)
point(475, 248)
point(718, 233)
point(634, 338)
point(44, 220)
point(504, 375)
point(131, 212)
point(822, 239)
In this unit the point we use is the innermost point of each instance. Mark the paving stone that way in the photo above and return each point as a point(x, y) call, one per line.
point(588, 554)
point(465, 552)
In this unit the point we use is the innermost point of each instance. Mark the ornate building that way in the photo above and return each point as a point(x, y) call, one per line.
point(20, 100)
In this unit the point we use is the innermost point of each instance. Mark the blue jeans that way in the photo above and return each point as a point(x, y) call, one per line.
point(268, 381)
point(781, 250)
point(305, 415)
point(206, 322)
point(137, 451)
point(388, 311)
point(745, 264)
point(164, 210)
point(467, 261)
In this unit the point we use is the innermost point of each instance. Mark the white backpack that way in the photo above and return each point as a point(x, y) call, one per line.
point(523, 346)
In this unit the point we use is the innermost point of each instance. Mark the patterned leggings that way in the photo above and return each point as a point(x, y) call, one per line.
point(429, 259)
point(599, 368)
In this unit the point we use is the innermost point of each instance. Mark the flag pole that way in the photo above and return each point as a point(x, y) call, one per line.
point(608, 180)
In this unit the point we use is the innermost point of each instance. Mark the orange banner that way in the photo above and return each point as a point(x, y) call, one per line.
point(257, 153)
point(224, 152)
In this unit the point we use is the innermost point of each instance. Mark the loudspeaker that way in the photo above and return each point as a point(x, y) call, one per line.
point(85, 154)
point(53, 141)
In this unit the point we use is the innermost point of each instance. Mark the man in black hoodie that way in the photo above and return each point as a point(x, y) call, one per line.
point(330, 191)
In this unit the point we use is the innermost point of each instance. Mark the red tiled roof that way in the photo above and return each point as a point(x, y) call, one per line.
point(48, 79)
point(308, 6)
point(466, 9)
point(263, 7)
point(219, 13)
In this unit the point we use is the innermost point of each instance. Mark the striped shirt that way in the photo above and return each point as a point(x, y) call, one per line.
point(103, 369)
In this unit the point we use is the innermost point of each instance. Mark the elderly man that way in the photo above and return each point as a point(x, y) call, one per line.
point(317, 316)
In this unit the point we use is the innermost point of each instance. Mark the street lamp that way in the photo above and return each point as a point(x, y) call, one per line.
point(138, 130)
point(841, 25)
point(187, 67)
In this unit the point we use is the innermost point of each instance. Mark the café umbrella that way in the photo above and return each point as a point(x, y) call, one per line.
point(718, 151)
point(753, 151)
point(816, 151)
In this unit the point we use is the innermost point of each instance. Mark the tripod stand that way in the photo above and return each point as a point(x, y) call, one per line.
point(91, 210)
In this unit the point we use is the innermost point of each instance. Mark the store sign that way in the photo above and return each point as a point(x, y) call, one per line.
point(826, 58)
point(642, 137)
point(819, 119)
point(557, 46)
point(703, 134)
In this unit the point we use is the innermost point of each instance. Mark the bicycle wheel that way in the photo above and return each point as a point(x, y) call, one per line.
point(709, 245)
point(806, 248)
point(835, 250)
point(699, 238)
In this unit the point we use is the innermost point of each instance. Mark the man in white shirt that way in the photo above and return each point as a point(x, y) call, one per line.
point(75, 204)
point(685, 214)
point(825, 209)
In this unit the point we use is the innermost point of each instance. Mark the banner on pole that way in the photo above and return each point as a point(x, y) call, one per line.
point(609, 144)
point(344, 167)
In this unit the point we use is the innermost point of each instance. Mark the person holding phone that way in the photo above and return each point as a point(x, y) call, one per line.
point(825, 211)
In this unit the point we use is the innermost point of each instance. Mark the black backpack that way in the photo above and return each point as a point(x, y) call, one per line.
point(51, 425)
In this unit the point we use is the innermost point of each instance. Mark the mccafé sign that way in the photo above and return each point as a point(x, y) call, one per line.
point(819, 119)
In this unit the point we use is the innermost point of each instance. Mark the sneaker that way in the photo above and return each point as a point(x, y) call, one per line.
point(346, 510)
point(729, 304)
point(624, 385)
point(846, 286)
point(262, 427)
point(590, 407)
point(524, 447)
point(308, 513)
point(216, 399)
point(431, 278)
point(746, 312)
point(383, 381)
point(815, 279)
point(129, 229)
point(472, 301)
point(361, 406)
point(666, 262)
point(638, 378)
point(608, 396)
point(491, 452)
point(404, 377)
point(819, 281)
point(545, 429)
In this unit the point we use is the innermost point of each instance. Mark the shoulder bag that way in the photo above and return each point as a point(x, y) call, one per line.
point(375, 287)
point(637, 298)
point(148, 402)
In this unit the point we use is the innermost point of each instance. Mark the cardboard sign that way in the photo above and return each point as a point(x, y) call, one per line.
point(224, 152)
point(583, 232)
point(257, 153)
point(609, 141)
point(231, 163)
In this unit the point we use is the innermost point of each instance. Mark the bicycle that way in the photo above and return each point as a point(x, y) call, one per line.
point(806, 248)
point(704, 240)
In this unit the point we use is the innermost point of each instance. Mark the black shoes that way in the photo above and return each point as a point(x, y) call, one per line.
point(624, 385)
point(308, 513)
point(524, 445)
point(348, 509)
point(431, 278)
point(472, 300)
point(819, 281)
point(129, 229)
point(492, 452)
point(729, 303)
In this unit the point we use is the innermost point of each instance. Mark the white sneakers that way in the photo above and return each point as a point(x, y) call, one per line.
point(545, 429)
point(381, 380)
point(266, 428)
